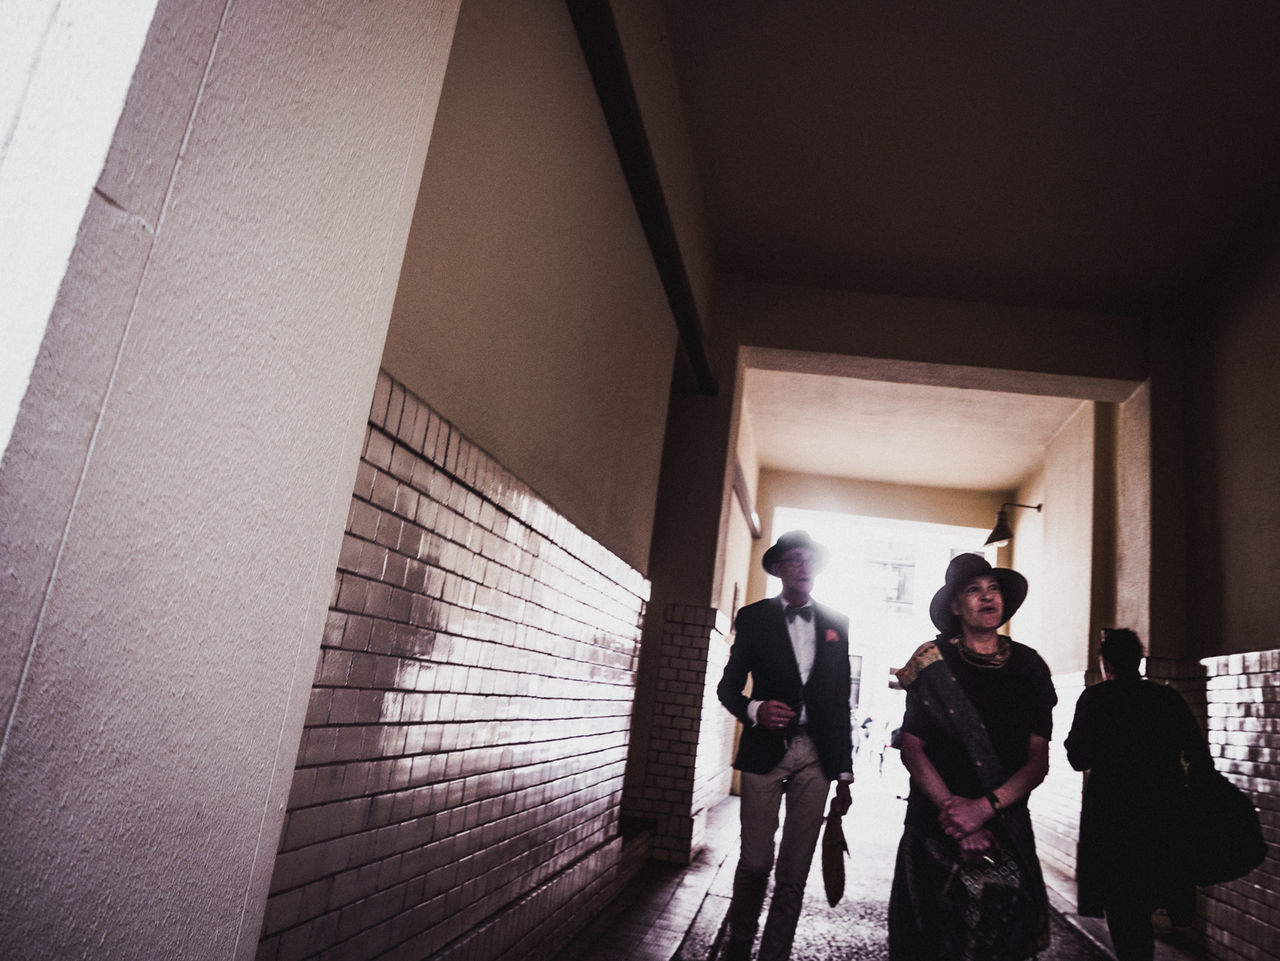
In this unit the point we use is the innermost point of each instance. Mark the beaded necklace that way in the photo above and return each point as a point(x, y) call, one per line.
point(997, 659)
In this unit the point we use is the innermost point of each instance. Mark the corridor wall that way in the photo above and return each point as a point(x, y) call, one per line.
point(530, 314)
point(1229, 601)
point(460, 775)
point(1234, 463)
point(529, 311)
point(174, 492)
point(1059, 548)
point(1240, 921)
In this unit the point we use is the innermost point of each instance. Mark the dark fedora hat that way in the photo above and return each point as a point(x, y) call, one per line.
point(790, 541)
point(964, 568)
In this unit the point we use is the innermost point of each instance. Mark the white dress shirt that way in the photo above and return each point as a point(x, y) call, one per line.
point(804, 643)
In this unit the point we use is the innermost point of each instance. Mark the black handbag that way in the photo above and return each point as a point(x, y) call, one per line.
point(1224, 838)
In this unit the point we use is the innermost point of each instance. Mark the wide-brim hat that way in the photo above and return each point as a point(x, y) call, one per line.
point(964, 568)
point(789, 542)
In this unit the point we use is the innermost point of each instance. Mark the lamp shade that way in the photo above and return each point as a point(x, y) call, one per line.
point(1001, 534)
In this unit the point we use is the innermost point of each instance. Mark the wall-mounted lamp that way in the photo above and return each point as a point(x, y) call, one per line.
point(1002, 533)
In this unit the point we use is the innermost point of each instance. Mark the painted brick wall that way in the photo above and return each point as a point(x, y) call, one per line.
point(1055, 804)
point(460, 776)
point(1241, 920)
point(713, 773)
point(687, 768)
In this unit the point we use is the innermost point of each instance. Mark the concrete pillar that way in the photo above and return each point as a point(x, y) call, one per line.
point(684, 630)
point(177, 483)
point(1170, 613)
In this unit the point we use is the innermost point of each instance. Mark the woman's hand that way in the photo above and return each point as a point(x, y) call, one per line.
point(962, 816)
point(977, 845)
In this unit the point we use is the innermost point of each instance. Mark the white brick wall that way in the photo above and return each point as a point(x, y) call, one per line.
point(460, 779)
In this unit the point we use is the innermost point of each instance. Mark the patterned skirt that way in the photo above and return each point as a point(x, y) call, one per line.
point(945, 908)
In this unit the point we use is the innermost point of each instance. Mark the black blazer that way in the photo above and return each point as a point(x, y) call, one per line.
point(762, 649)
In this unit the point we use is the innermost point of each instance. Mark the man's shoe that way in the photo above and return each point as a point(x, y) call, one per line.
point(736, 950)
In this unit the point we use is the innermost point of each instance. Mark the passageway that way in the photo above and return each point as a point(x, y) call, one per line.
point(676, 914)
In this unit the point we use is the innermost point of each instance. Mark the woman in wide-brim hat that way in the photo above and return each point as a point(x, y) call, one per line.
point(975, 739)
point(963, 569)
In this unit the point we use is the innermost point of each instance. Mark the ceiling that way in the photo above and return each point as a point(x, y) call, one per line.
point(898, 433)
point(1105, 158)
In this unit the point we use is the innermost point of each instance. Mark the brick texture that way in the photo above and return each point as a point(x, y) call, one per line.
point(689, 763)
point(1055, 804)
point(459, 779)
point(1240, 921)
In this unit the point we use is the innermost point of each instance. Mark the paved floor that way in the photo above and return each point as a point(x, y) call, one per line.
point(673, 913)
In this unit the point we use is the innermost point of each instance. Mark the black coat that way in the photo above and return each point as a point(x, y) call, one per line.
point(762, 649)
point(1131, 736)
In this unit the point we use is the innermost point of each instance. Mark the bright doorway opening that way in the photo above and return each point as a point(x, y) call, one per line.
point(882, 573)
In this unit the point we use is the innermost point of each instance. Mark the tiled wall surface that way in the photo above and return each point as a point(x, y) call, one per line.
point(460, 775)
point(688, 768)
point(1241, 920)
point(1055, 804)
point(713, 772)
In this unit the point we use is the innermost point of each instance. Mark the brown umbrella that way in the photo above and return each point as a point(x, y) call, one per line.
point(834, 850)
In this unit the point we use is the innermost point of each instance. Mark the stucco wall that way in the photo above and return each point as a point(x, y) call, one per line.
point(1133, 513)
point(527, 284)
point(1235, 480)
point(1048, 351)
point(51, 154)
point(739, 541)
point(1054, 548)
point(646, 45)
point(175, 489)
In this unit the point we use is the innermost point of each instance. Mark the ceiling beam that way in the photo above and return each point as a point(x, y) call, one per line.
point(602, 48)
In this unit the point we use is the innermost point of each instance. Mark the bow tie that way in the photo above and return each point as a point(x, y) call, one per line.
point(805, 612)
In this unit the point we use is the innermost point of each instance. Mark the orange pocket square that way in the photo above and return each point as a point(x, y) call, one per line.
point(832, 635)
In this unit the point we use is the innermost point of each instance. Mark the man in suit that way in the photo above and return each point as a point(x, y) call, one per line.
point(797, 738)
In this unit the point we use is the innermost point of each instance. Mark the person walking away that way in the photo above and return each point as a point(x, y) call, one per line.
point(975, 739)
point(1132, 737)
point(797, 738)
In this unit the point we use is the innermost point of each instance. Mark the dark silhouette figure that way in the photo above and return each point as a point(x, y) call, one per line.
point(1133, 737)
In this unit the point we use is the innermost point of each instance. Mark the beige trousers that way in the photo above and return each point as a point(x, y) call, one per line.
point(799, 777)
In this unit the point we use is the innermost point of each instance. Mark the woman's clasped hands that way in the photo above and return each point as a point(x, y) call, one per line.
point(964, 820)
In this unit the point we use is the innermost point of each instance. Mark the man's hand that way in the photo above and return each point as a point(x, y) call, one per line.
point(775, 715)
point(843, 800)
